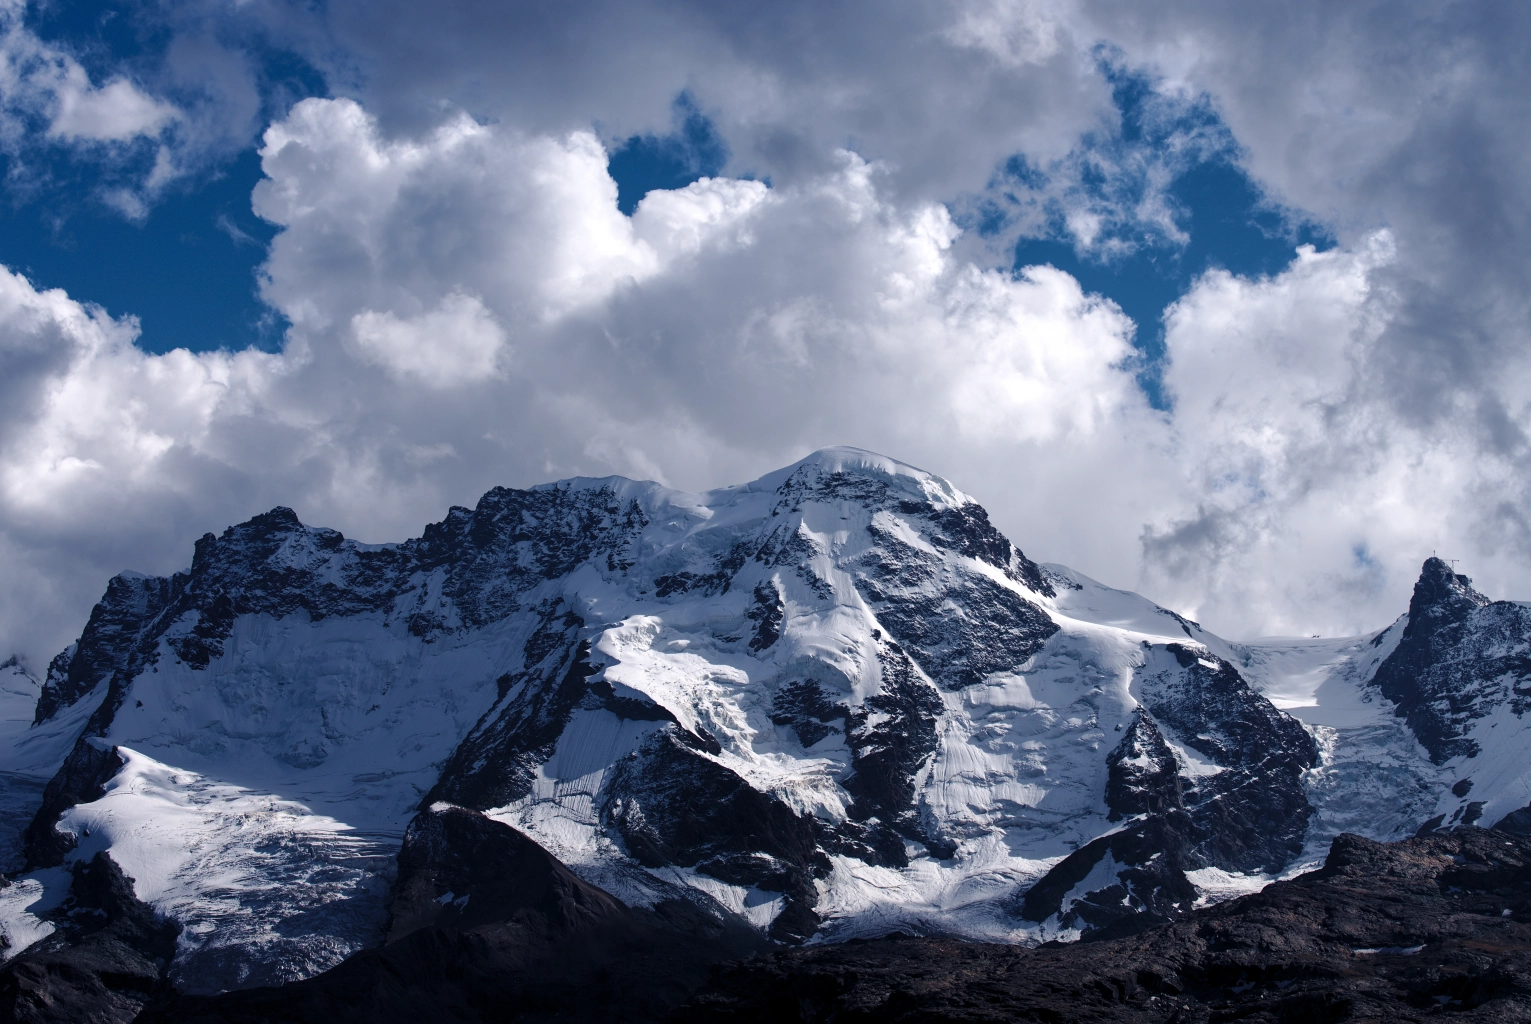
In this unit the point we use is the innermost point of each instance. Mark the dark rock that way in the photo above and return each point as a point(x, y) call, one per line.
point(809, 710)
point(712, 573)
point(87, 768)
point(1517, 821)
point(958, 625)
point(671, 805)
point(106, 962)
point(1460, 657)
point(111, 644)
point(1410, 931)
point(767, 612)
point(1149, 885)
point(487, 926)
point(677, 583)
point(892, 737)
point(1430, 826)
point(966, 530)
point(460, 870)
point(1142, 775)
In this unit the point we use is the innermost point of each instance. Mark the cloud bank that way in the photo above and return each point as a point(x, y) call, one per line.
point(468, 306)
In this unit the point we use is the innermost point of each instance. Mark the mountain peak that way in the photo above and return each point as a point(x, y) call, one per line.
point(1437, 675)
point(843, 461)
point(1442, 595)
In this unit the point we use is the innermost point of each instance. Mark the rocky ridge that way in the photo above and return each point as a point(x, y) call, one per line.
point(1421, 930)
point(487, 926)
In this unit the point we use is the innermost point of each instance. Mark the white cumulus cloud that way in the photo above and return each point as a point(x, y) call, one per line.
point(40, 80)
point(470, 308)
point(455, 343)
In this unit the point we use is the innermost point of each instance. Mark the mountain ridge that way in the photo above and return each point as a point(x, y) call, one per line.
point(833, 702)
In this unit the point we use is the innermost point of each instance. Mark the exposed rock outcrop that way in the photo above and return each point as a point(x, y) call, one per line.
point(107, 960)
point(487, 926)
point(1423, 930)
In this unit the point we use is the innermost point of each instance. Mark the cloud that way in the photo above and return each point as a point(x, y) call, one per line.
point(114, 112)
point(1013, 32)
point(455, 343)
point(529, 220)
point(41, 81)
point(1307, 495)
point(939, 92)
point(469, 307)
point(1276, 442)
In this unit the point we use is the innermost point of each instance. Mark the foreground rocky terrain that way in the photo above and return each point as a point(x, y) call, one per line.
point(485, 926)
point(1432, 928)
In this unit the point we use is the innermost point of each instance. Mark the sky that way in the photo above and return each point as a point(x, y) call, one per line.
point(1226, 304)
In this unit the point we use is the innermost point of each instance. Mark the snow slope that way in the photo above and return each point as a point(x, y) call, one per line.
point(1374, 778)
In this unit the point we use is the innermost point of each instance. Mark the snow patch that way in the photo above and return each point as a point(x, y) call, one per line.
point(1214, 885)
point(267, 890)
point(22, 904)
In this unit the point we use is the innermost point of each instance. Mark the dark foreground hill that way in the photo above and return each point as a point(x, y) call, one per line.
point(486, 926)
point(1434, 928)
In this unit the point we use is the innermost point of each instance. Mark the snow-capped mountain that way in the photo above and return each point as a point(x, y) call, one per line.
point(830, 703)
point(1422, 723)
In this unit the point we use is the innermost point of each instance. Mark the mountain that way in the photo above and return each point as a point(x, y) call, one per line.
point(832, 703)
point(1422, 723)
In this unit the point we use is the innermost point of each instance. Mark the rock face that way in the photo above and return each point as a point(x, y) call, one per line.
point(108, 959)
point(828, 704)
point(1461, 658)
point(487, 926)
point(1243, 809)
point(1413, 931)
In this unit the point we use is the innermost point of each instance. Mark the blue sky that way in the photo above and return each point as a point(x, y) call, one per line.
point(187, 270)
point(186, 265)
